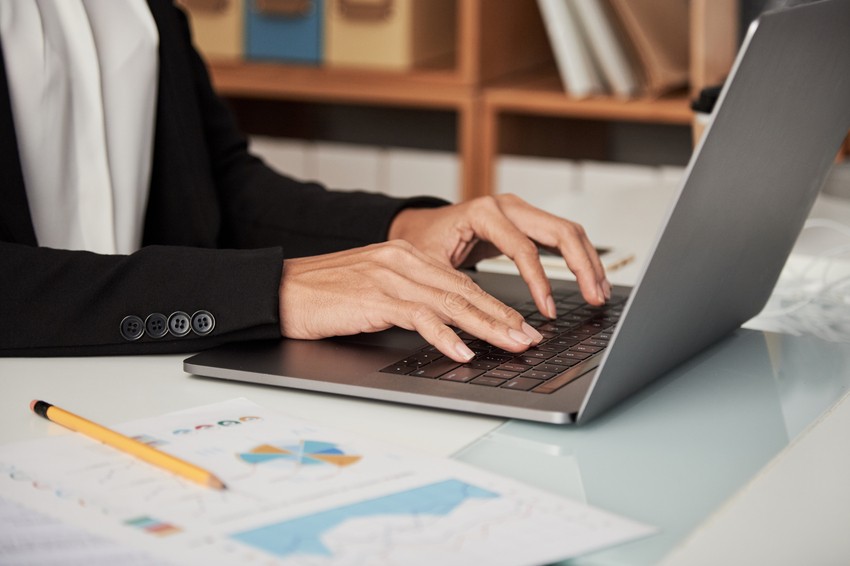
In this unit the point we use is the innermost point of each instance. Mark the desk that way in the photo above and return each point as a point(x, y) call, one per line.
point(712, 454)
point(739, 456)
point(111, 390)
point(731, 455)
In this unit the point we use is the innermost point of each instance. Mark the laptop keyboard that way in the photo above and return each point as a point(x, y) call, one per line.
point(572, 344)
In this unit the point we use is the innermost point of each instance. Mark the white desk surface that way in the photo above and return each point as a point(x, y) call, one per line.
point(111, 390)
point(807, 484)
point(809, 476)
point(793, 511)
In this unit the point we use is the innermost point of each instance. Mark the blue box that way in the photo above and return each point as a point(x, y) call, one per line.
point(284, 30)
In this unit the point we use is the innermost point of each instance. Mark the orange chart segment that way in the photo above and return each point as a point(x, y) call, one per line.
point(337, 460)
point(307, 452)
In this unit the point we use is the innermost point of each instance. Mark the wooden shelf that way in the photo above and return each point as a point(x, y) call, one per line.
point(489, 79)
point(543, 94)
point(421, 88)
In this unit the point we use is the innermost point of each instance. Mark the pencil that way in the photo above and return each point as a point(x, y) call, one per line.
point(126, 444)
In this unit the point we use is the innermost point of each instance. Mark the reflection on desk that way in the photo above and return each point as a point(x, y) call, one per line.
point(675, 452)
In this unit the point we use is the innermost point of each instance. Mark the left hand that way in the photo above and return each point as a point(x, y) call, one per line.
point(465, 233)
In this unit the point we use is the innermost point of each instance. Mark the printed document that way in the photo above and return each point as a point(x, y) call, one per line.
point(296, 494)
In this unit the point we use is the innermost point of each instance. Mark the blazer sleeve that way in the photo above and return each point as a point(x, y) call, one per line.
point(62, 303)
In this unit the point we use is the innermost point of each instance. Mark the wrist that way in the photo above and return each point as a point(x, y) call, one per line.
point(401, 223)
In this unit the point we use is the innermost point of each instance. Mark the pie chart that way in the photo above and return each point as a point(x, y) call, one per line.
point(307, 452)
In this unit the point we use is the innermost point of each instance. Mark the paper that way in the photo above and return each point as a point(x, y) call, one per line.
point(29, 537)
point(297, 494)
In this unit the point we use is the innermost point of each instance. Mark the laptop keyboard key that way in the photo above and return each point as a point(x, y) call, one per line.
point(399, 369)
point(522, 384)
point(488, 381)
point(515, 366)
point(462, 374)
point(501, 374)
point(436, 369)
point(585, 348)
point(534, 374)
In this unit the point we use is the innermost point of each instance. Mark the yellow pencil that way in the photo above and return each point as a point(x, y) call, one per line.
point(126, 444)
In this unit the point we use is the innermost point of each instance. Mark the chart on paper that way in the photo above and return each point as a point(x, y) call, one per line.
point(297, 494)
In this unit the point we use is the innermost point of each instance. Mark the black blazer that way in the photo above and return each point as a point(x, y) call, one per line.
point(218, 225)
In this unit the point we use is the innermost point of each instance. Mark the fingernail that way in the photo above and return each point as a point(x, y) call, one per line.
point(464, 352)
point(550, 306)
point(531, 332)
point(600, 294)
point(519, 337)
point(606, 287)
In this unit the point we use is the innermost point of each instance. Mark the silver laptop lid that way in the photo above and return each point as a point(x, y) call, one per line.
point(749, 187)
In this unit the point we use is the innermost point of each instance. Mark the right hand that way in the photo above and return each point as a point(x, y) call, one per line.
point(375, 287)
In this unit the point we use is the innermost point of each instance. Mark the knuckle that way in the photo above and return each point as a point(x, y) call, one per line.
point(575, 230)
point(509, 314)
point(420, 314)
point(485, 203)
point(393, 250)
point(455, 304)
point(468, 287)
point(526, 248)
point(509, 198)
point(445, 335)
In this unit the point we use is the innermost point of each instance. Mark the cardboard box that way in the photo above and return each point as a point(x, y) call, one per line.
point(217, 27)
point(389, 34)
point(284, 30)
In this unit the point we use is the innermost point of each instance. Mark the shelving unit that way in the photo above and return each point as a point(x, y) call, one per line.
point(421, 89)
point(502, 68)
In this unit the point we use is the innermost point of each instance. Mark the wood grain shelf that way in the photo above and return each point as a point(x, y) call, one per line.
point(544, 95)
point(421, 88)
point(494, 72)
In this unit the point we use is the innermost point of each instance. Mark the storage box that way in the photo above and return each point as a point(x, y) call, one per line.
point(389, 34)
point(284, 30)
point(217, 27)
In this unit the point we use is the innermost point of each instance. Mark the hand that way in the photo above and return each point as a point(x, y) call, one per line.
point(465, 233)
point(393, 284)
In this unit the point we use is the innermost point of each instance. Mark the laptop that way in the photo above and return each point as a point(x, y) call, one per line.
point(778, 123)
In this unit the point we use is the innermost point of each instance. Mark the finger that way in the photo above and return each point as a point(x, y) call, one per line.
point(453, 308)
point(438, 275)
point(492, 224)
point(434, 330)
point(569, 239)
point(581, 258)
point(407, 276)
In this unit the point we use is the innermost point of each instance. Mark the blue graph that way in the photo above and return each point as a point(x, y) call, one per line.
point(304, 534)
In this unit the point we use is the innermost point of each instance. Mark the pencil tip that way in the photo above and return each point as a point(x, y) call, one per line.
point(216, 483)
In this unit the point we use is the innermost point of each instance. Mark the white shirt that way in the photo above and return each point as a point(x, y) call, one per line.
point(82, 79)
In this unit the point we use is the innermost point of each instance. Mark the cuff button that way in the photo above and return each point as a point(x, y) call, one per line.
point(132, 328)
point(179, 324)
point(156, 325)
point(203, 323)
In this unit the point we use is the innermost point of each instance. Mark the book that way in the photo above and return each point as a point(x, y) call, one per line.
point(608, 47)
point(569, 46)
point(658, 35)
